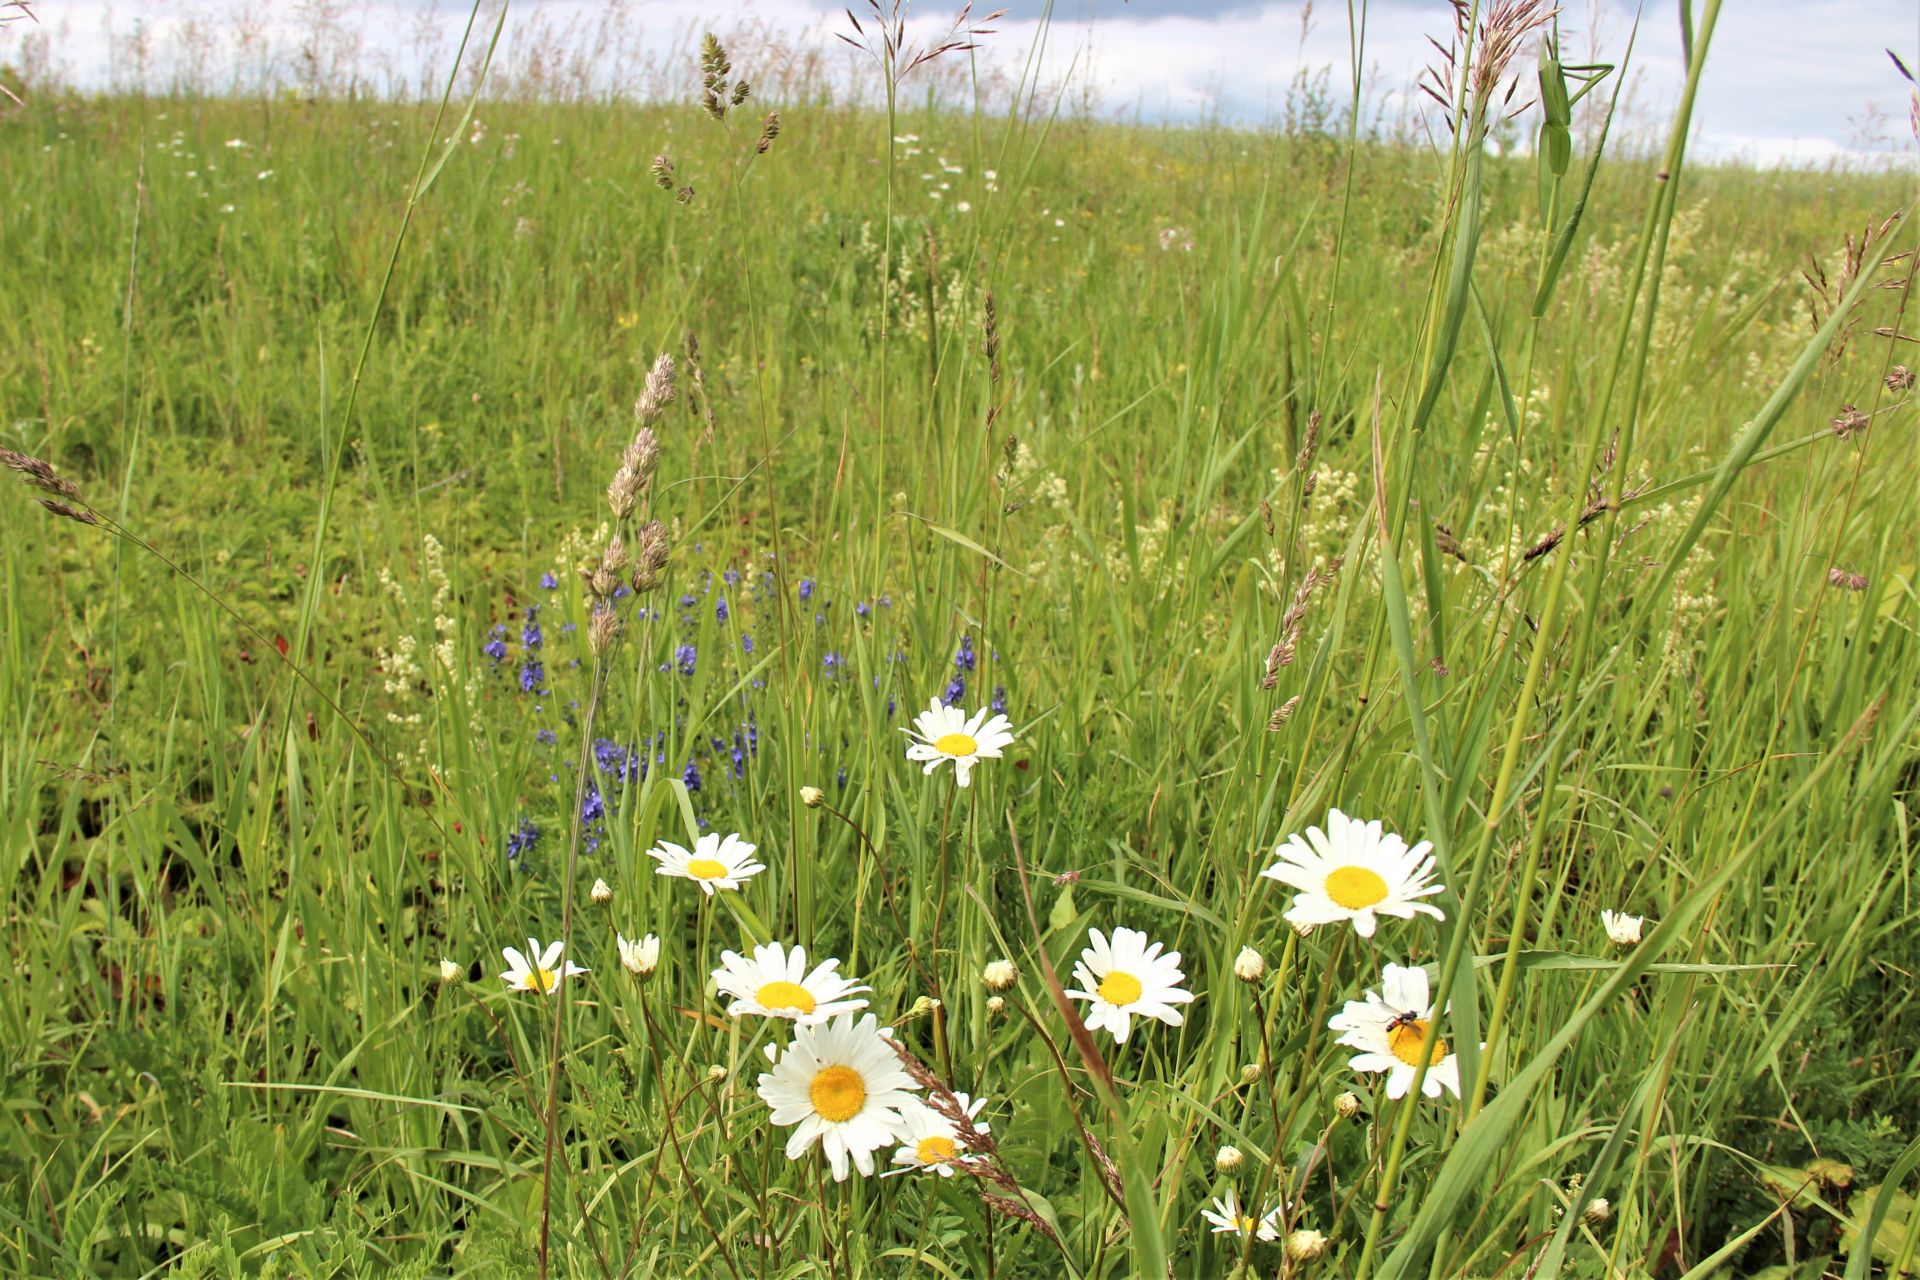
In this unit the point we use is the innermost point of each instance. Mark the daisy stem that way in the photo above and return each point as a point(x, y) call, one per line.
point(933, 948)
point(1267, 1174)
point(575, 830)
point(679, 1155)
point(1073, 1108)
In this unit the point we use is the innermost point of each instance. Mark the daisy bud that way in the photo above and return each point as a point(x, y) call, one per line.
point(1306, 1246)
point(812, 797)
point(996, 1006)
point(641, 956)
point(921, 1007)
point(451, 972)
point(1250, 1073)
point(716, 1073)
point(999, 975)
point(602, 892)
point(1227, 1159)
point(1347, 1105)
point(1597, 1213)
point(1249, 965)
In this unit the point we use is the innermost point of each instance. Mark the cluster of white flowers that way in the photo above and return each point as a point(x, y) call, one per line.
point(403, 675)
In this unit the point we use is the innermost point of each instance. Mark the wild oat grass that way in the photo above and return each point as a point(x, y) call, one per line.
point(1552, 513)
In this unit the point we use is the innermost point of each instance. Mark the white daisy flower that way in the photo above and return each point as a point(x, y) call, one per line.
point(641, 956)
point(1622, 929)
point(944, 733)
point(840, 1085)
point(1128, 978)
point(1227, 1218)
point(524, 975)
point(715, 862)
point(930, 1140)
point(775, 983)
point(1389, 1028)
point(1354, 871)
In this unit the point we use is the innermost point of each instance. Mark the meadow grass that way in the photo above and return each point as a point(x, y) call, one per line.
point(1238, 467)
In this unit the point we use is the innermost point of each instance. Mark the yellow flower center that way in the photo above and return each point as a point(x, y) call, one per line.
point(1119, 989)
point(706, 869)
point(837, 1093)
point(1356, 887)
point(934, 1150)
point(956, 744)
point(1245, 1224)
point(1404, 1040)
point(784, 995)
point(541, 980)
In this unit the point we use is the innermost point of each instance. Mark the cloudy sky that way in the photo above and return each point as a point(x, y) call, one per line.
point(1799, 81)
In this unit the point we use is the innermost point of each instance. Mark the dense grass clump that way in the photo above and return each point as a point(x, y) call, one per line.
point(1553, 511)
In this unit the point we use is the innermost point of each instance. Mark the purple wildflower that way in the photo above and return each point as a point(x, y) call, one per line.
point(522, 838)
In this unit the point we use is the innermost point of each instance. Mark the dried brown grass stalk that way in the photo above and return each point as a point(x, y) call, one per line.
point(1283, 652)
point(1856, 256)
point(896, 54)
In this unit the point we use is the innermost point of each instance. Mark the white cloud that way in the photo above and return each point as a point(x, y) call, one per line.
point(1796, 81)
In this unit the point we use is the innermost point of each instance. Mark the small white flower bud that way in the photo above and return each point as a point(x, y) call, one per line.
point(1347, 1105)
point(1306, 1246)
point(602, 892)
point(1227, 1159)
point(1249, 965)
point(1598, 1212)
point(999, 975)
point(812, 797)
point(451, 972)
point(716, 1073)
point(996, 1006)
point(1250, 1073)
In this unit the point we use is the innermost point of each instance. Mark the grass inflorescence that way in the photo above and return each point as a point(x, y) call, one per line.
point(990, 695)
